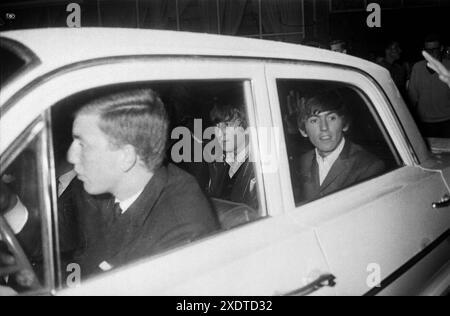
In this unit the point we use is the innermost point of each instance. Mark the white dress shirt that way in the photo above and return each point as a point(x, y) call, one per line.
point(236, 161)
point(326, 163)
point(65, 180)
point(125, 204)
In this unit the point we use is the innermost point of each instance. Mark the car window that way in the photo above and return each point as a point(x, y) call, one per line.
point(209, 142)
point(22, 264)
point(334, 138)
point(10, 65)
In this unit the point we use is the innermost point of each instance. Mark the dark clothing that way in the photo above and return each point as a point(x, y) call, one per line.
point(170, 211)
point(241, 188)
point(437, 130)
point(353, 165)
point(399, 73)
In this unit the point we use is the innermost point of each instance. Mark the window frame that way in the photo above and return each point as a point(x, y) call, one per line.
point(30, 60)
point(38, 128)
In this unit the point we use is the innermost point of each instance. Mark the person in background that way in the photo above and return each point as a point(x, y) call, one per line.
point(399, 71)
point(429, 95)
point(338, 46)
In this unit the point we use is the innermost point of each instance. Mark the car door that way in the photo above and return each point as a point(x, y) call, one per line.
point(382, 235)
point(270, 256)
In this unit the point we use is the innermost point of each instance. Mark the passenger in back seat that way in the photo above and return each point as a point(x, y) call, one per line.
point(233, 178)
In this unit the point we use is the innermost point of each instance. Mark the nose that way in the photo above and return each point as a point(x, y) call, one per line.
point(323, 124)
point(72, 155)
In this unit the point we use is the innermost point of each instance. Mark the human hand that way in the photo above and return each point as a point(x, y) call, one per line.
point(436, 65)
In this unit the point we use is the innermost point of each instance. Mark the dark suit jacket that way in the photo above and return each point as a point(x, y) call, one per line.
point(353, 165)
point(243, 191)
point(171, 210)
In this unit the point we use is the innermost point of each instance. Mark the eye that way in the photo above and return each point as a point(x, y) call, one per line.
point(313, 120)
point(332, 117)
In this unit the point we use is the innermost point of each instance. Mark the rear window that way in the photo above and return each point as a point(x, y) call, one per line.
point(10, 64)
point(15, 58)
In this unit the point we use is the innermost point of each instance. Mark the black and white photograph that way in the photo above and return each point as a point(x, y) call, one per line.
point(224, 152)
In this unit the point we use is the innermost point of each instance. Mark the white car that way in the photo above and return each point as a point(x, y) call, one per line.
point(387, 234)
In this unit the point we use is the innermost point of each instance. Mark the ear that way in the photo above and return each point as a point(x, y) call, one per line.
point(346, 127)
point(303, 133)
point(129, 158)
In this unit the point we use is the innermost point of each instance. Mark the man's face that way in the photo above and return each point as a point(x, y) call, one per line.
point(338, 47)
point(394, 51)
point(434, 49)
point(231, 135)
point(325, 131)
point(95, 161)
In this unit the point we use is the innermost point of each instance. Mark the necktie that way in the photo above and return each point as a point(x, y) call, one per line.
point(117, 211)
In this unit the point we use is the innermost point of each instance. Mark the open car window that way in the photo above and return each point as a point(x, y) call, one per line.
point(15, 58)
point(209, 140)
point(334, 138)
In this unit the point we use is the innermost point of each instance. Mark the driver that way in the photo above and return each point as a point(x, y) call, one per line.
point(134, 205)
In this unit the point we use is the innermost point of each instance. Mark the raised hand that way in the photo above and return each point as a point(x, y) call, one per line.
point(436, 65)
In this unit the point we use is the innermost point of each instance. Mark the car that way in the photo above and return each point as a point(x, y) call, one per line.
point(385, 234)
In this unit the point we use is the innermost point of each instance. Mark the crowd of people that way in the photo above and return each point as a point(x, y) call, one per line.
point(425, 85)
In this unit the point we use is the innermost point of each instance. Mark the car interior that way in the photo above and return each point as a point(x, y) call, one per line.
point(187, 103)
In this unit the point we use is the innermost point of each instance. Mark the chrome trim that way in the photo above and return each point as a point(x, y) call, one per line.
point(51, 207)
point(250, 104)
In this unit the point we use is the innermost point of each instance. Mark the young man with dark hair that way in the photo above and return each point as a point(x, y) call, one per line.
point(336, 162)
point(234, 178)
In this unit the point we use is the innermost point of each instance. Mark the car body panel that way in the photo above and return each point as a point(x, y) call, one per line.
point(260, 259)
point(385, 232)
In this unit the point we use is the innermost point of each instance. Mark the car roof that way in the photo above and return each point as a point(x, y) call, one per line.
point(56, 46)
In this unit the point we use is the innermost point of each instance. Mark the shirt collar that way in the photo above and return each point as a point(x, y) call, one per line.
point(125, 204)
point(64, 181)
point(236, 161)
point(331, 158)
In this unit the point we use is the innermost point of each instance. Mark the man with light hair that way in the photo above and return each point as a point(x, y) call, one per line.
point(125, 201)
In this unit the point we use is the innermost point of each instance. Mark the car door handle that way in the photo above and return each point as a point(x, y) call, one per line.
point(445, 202)
point(322, 281)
